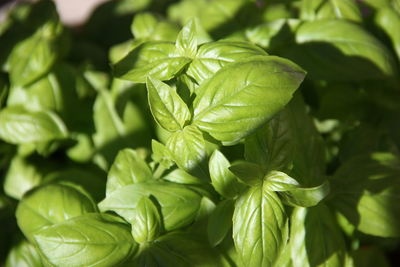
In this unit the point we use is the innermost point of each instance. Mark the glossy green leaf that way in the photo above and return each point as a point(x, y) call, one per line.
point(23, 254)
point(214, 55)
point(167, 107)
point(316, 239)
point(229, 108)
point(147, 224)
point(87, 240)
point(222, 179)
point(259, 227)
point(366, 189)
point(157, 59)
point(339, 50)
point(220, 222)
point(37, 211)
point(178, 203)
point(20, 126)
point(247, 172)
point(128, 168)
point(186, 42)
point(187, 148)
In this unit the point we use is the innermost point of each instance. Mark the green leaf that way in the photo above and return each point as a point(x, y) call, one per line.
point(366, 189)
point(220, 222)
point(222, 179)
point(128, 168)
point(272, 146)
point(157, 59)
point(181, 177)
point(51, 204)
point(310, 244)
point(186, 43)
point(306, 197)
point(22, 175)
point(280, 182)
point(178, 203)
point(215, 55)
point(87, 240)
point(389, 21)
point(346, 9)
point(23, 254)
point(259, 227)
point(143, 25)
point(247, 172)
point(20, 126)
point(187, 148)
point(34, 56)
point(230, 108)
point(167, 107)
point(178, 249)
point(160, 154)
point(147, 224)
point(112, 132)
point(308, 154)
point(339, 50)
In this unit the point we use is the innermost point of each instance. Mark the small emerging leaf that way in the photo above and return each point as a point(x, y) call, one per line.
point(167, 107)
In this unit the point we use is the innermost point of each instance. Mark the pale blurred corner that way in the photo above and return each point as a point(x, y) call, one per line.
point(72, 12)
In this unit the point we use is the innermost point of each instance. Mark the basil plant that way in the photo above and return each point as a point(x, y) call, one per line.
point(232, 133)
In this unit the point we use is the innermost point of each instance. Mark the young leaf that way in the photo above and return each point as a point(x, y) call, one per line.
point(87, 240)
point(259, 227)
point(179, 204)
point(222, 179)
point(156, 59)
point(215, 55)
point(249, 173)
point(220, 222)
point(230, 108)
point(315, 238)
point(147, 224)
point(167, 107)
point(187, 148)
point(186, 43)
point(365, 190)
point(20, 126)
point(35, 211)
point(128, 168)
